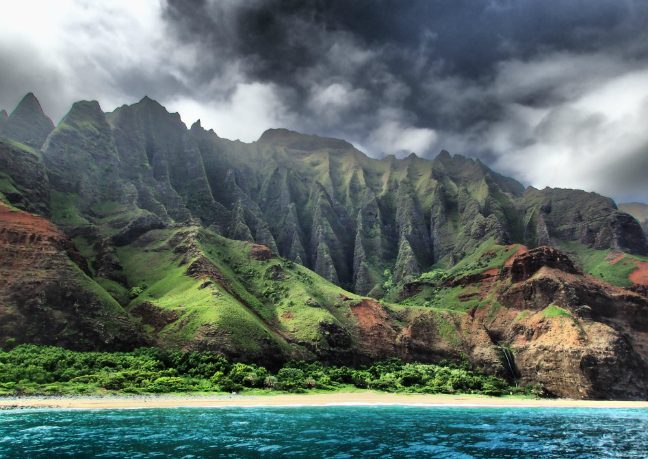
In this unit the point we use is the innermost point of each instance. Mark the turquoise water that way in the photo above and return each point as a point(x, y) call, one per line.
point(326, 432)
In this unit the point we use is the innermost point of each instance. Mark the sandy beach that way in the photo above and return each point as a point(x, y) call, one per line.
point(352, 398)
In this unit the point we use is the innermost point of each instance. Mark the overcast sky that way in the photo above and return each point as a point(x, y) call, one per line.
point(553, 92)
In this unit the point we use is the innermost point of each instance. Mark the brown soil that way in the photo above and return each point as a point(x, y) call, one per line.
point(11, 219)
point(640, 275)
point(260, 252)
point(522, 249)
point(28, 245)
point(369, 313)
point(377, 336)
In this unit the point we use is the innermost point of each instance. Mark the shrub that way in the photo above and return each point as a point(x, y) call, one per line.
point(136, 291)
point(290, 379)
point(30, 369)
point(248, 375)
point(170, 384)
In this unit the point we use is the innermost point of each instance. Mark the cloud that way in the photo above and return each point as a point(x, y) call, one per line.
point(71, 50)
point(551, 95)
point(584, 137)
point(252, 108)
point(393, 137)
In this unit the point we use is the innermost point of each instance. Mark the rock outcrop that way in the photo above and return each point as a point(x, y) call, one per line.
point(574, 215)
point(574, 335)
point(525, 265)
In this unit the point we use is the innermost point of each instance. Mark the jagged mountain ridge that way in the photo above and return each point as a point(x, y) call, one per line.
point(140, 200)
point(317, 201)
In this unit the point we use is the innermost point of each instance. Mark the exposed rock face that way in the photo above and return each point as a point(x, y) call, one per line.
point(154, 316)
point(544, 322)
point(527, 264)
point(377, 332)
point(639, 211)
point(45, 297)
point(27, 123)
point(574, 215)
point(577, 359)
point(261, 252)
point(421, 336)
point(596, 346)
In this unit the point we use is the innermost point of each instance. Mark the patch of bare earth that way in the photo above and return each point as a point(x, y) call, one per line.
point(640, 275)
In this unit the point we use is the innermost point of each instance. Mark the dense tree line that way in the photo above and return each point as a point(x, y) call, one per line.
point(31, 369)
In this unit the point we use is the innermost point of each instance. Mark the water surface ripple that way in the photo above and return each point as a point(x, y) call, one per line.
point(336, 432)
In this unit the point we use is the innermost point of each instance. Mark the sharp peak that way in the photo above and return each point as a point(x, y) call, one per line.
point(147, 100)
point(30, 97)
point(153, 104)
point(29, 102)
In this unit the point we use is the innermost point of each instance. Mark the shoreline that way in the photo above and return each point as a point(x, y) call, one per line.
point(367, 398)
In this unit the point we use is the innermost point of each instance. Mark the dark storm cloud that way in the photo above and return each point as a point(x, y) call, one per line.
point(552, 92)
point(412, 42)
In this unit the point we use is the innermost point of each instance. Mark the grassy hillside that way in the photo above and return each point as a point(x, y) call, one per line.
point(611, 266)
point(203, 283)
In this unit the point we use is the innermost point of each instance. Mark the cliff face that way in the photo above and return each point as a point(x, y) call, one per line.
point(637, 210)
point(317, 201)
point(582, 337)
point(574, 215)
point(159, 234)
point(571, 333)
point(46, 298)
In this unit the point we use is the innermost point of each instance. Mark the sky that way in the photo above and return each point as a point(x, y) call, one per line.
point(550, 92)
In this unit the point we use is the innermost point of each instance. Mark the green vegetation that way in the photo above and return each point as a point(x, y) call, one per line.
point(31, 369)
point(6, 184)
point(256, 301)
point(488, 255)
point(65, 209)
point(610, 266)
point(555, 311)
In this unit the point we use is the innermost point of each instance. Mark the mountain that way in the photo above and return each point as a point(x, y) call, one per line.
point(27, 123)
point(639, 211)
point(301, 247)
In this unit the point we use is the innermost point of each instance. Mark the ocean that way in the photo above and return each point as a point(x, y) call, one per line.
point(336, 432)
